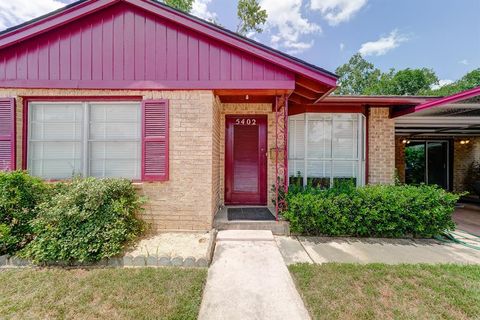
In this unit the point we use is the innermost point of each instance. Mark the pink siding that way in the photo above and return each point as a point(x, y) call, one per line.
point(123, 46)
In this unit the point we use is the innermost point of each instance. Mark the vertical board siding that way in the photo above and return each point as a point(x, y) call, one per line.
point(7, 134)
point(124, 43)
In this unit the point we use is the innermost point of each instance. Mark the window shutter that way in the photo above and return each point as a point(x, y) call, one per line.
point(7, 134)
point(155, 130)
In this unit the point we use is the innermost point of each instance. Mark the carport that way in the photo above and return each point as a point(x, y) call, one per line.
point(437, 141)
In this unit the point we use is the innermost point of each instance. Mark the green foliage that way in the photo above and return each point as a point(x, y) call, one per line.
point(183, 5)
point(357, 76)
point(469, 81)
point(360, 77)
point(251, 15)
point(371, 211)
point(415, 164)
point(19, 196)
point(88, 220)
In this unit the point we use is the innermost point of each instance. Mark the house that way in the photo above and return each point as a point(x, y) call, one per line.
point(197, 116)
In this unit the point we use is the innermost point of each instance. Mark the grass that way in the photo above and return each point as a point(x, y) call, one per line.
point(377, 291)
point(101, 293)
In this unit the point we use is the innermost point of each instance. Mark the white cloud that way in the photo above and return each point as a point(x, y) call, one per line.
point(337, 11)
point(13, 12)
point(288, 25)
point(441, 83)
point(200, 9)
point(464, 62)
point(382, 45)
point(342, 46)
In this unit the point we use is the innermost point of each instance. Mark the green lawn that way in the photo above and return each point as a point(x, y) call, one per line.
point(101, 293)
point(376, 291)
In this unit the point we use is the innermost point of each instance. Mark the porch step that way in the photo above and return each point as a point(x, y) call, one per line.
point(221, 222)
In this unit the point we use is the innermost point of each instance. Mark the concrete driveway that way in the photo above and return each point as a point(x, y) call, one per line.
point(358, 250)
point(467, 218)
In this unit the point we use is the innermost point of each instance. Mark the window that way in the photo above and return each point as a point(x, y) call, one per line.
point(326, 148)
point(99, 139)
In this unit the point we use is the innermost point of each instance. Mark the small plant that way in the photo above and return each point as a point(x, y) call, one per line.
point(20, 194)
point(472, 179)
point(87, 220)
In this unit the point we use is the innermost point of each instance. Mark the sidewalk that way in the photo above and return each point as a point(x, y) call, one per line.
point(248, 279)
point(370, 250)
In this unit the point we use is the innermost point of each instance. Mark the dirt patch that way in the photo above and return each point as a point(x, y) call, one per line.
point(173, 245)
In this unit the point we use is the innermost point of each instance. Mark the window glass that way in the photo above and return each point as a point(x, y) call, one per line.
point(334, 148)
point(88, 139)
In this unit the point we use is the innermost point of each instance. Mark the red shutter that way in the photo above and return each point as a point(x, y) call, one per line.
point(155, 130)
point(7, 134)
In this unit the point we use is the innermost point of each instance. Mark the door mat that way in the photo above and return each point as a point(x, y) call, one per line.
point(259, 214)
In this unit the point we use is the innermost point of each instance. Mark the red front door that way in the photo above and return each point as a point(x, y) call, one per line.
point(246, 160)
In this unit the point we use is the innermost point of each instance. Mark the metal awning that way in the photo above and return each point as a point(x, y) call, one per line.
point(459, 119)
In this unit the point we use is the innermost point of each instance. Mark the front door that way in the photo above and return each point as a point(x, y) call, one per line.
point(246, 160)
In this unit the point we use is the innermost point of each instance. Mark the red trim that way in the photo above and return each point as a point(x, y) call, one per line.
point(321, 108)
point(14, 135)
point(149, 177)
point(449, 99)
point(83, 9)
point(367, 145)
point(247, 198)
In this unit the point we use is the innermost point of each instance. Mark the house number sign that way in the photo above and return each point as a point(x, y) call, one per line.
point(246, 122)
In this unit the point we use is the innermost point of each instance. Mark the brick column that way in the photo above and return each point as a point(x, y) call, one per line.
point(381, 146)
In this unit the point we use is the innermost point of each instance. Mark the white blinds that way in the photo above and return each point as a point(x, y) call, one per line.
point(89, 139)
point(333, 144)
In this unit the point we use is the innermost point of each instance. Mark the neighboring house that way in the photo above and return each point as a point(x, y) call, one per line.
point(194, 114)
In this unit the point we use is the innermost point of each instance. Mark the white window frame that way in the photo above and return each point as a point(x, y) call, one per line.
point(85, 134)
point(359, 159)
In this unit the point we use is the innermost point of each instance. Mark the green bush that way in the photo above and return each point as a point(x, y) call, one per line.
point(473, 177)
point(87, 220)
point(19, 196)
point(371, 211)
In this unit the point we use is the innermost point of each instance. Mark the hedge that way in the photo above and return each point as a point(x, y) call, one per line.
point(371, 211)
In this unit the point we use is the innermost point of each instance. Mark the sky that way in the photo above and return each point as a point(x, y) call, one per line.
point(440, 34)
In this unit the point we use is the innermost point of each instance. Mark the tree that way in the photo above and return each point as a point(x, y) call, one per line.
point(183, 5)
point(357, 76)
point(469, 81)
point(360, 77)
point(251, 15)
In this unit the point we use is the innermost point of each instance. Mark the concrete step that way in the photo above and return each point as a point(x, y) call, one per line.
point(221, 222)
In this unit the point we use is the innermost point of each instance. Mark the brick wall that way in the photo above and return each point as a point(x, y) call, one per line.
point(186, 201)
point(381, 146)
point(464, 155)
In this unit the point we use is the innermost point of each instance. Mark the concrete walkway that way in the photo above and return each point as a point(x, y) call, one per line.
point(248, 279)
point(361, 250)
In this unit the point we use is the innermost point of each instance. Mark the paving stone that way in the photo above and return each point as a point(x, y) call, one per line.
point(189, 262)
point(139, 261)
point(202, 263)
point(177, 261)
point(164, 261)
point(115, 262)
point(152, 261)
point(128, 261)
point(3, 260)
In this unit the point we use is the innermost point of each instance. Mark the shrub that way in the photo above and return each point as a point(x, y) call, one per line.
point(87, 220)
point(371, 211)
point(19, 196)
point(473, 177)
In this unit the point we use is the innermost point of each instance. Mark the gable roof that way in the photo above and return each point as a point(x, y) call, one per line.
point(325, 80)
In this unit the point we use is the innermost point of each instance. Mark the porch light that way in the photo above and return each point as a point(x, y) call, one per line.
point(247, 97)
point(465, 142)
point(405, 141)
